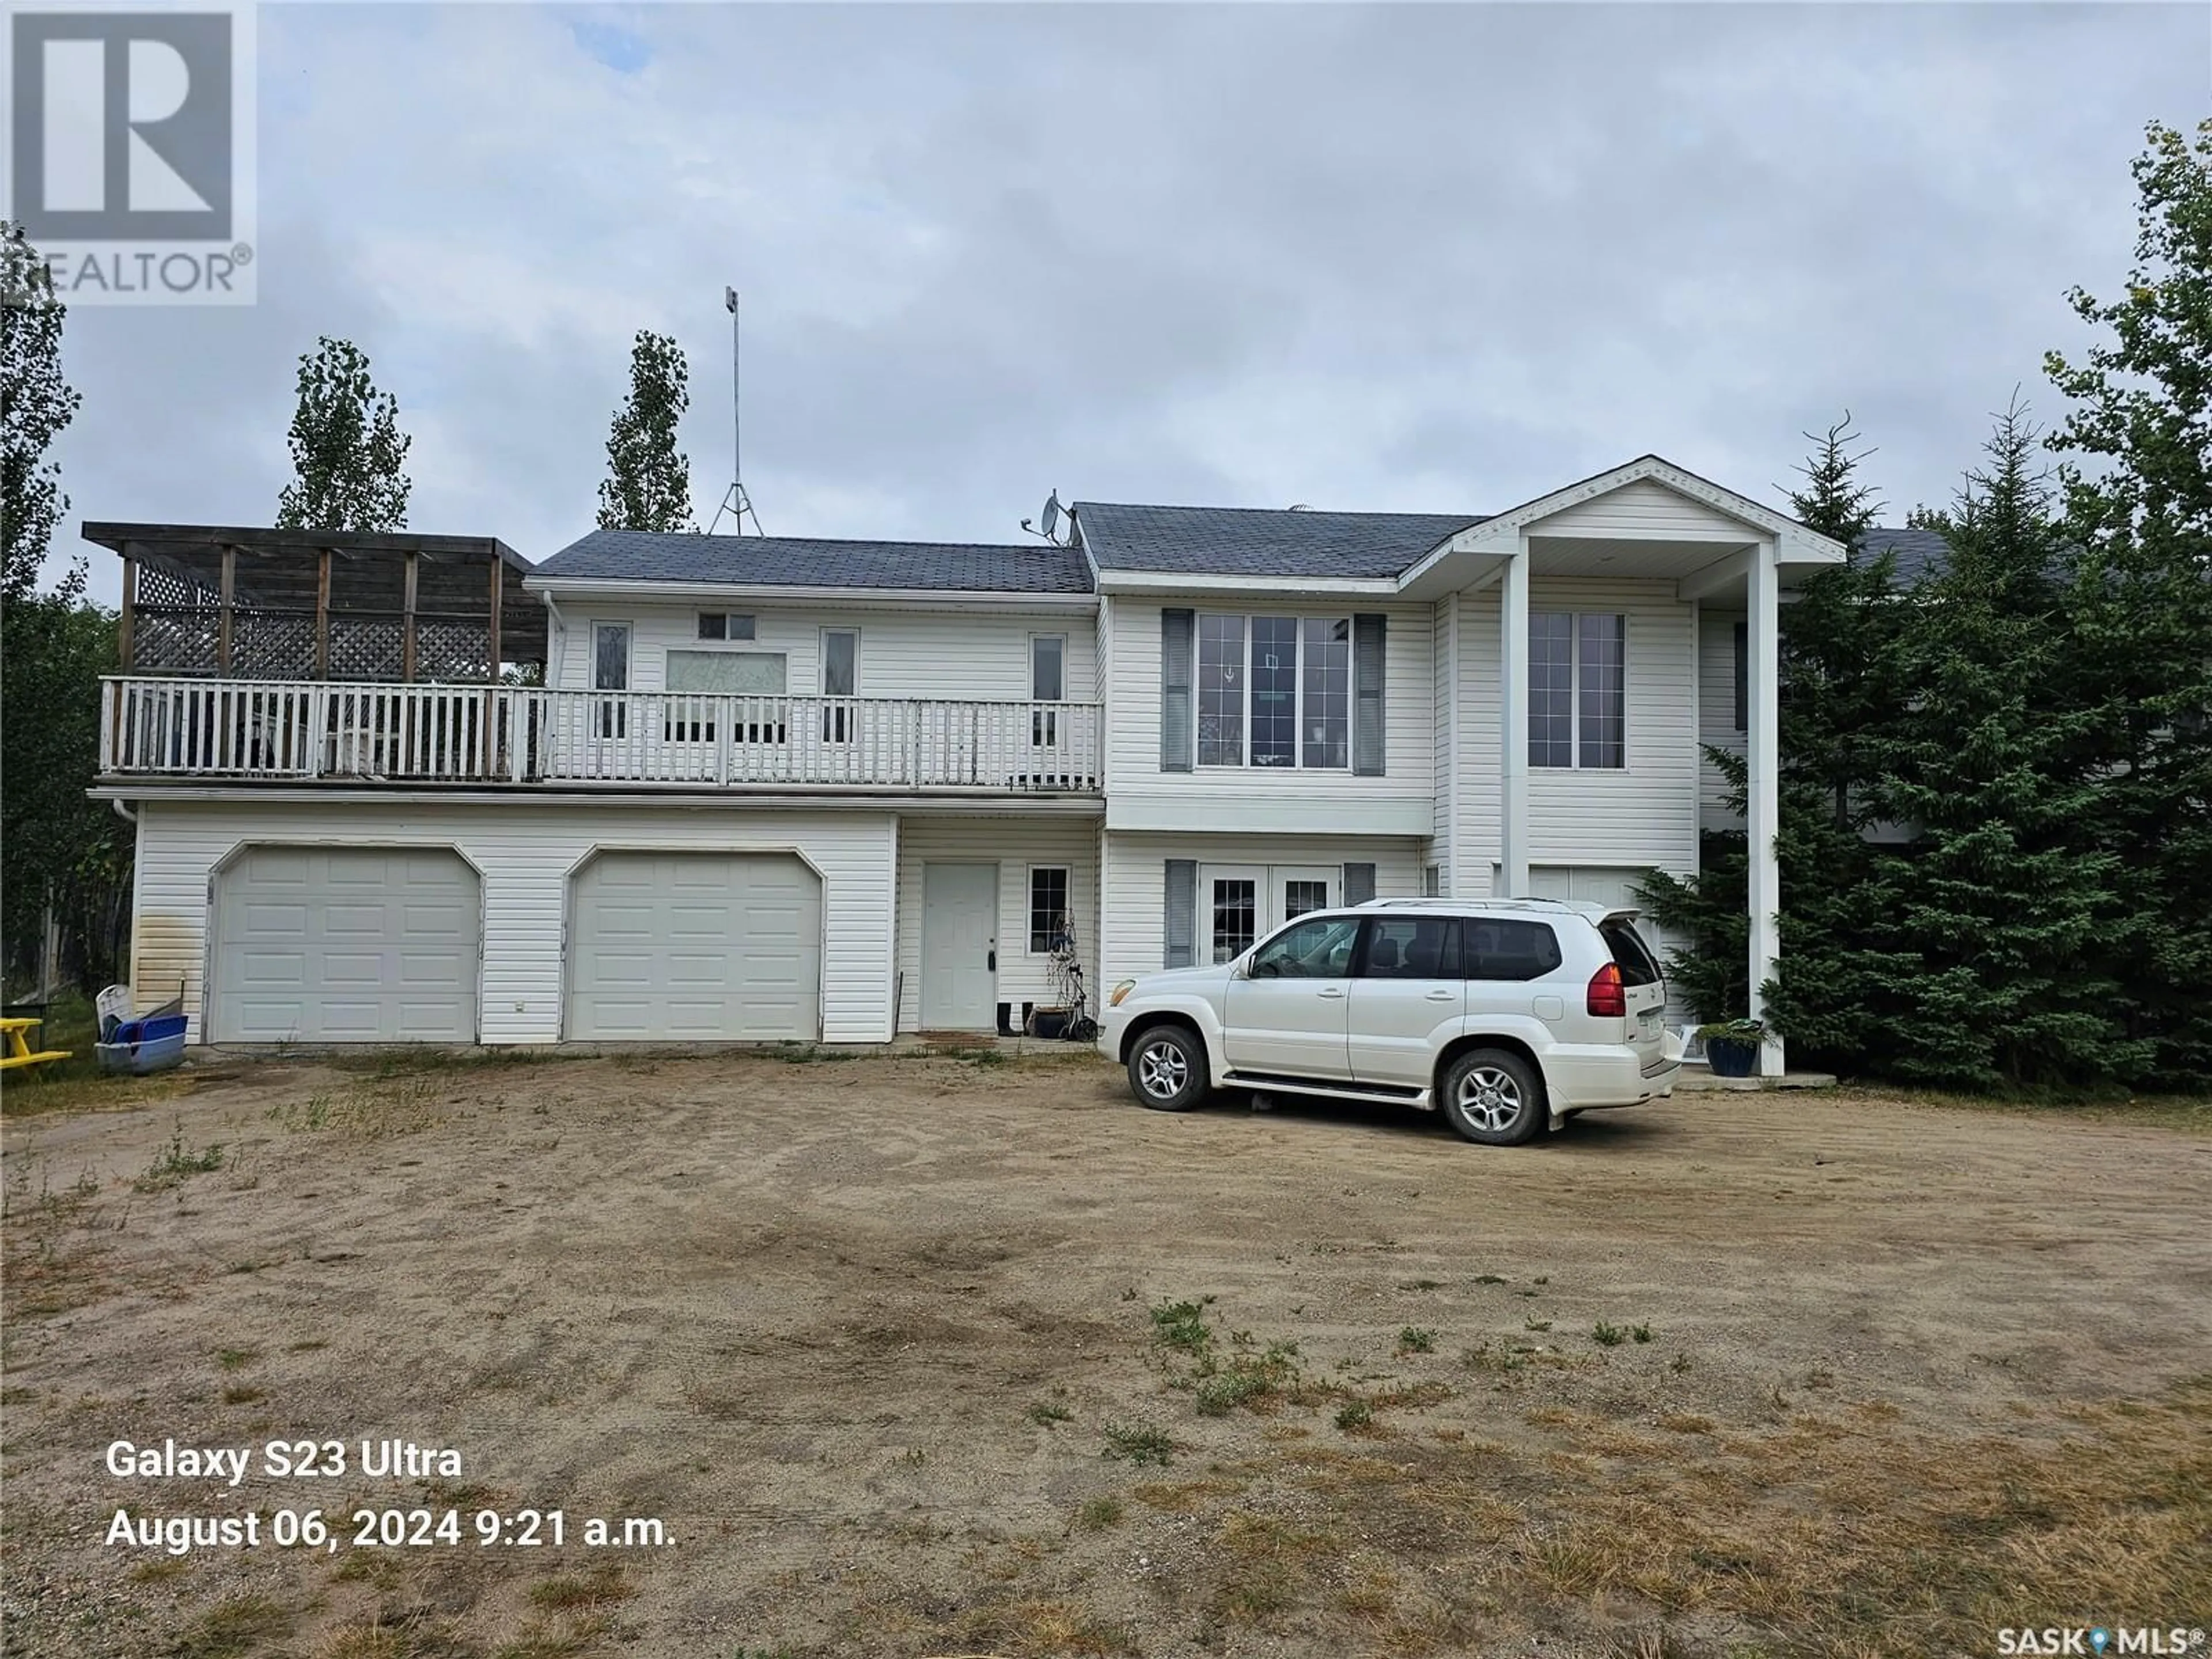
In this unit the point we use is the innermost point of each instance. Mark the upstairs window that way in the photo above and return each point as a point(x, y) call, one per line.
point(1283, 683)
point(1577, 689)
point(1048, 668)
point(724, 625)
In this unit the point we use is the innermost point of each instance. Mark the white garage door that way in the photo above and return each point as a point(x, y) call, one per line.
point(695, 946)
point(346, 944)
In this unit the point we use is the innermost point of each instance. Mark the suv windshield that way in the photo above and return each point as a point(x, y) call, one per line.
point(1629, 954)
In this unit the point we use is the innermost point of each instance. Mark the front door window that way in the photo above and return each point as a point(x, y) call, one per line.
point(1235, 902)
point(610, 673)
point(840, 665)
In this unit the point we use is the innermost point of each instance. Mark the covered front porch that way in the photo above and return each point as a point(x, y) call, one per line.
point(1570, 775)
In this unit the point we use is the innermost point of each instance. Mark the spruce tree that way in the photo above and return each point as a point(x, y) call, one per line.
point(2139, 510)
point(648, 482)
point(347, 447)
point(2003, 899)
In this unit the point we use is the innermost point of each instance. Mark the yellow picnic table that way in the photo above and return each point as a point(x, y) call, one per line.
point(18, 1052)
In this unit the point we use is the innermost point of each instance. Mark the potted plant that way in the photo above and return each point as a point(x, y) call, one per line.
point(1732, 1046)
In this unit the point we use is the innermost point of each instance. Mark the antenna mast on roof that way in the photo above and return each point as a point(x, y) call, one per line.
point(736, 502)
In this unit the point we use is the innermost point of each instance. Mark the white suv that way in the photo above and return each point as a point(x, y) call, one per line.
point(1506, 1013)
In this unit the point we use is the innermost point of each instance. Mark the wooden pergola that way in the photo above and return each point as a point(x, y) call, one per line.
point(229, 603)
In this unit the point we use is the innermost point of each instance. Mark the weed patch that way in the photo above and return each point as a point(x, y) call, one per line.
point(1140, 1444)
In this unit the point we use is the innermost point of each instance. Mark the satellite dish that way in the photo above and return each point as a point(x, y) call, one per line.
point(1051, 514)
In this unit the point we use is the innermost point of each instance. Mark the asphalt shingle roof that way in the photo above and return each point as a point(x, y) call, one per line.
point(1922, 555)
point(1241, 541)
point(797, 562)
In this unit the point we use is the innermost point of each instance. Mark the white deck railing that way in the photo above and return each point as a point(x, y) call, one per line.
point(342, 732)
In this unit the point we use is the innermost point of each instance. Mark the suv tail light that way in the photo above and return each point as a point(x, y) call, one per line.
point(1608, 998)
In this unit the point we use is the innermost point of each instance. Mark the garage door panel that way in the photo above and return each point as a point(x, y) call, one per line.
point(694, 947)
point(346, 944)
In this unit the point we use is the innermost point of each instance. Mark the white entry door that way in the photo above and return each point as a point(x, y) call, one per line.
point(1239, 905)
point(959, 947)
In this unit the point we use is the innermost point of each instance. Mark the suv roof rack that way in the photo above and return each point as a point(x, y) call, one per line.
point(1570, 906)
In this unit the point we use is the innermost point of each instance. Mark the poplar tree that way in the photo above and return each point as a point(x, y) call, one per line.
point(2138, 496)
point(347, 451)
point(648, 482)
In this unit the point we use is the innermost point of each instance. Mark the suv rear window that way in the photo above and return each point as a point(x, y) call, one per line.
point(1497, 949)
point(1629, 953)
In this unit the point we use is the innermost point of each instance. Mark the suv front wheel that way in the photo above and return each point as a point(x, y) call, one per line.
point(1494, 1096)
point(1167, 1068)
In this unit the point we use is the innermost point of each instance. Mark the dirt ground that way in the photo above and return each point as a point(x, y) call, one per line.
point(926, 1356)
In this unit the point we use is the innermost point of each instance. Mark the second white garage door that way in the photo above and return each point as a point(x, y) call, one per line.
point(694, 947)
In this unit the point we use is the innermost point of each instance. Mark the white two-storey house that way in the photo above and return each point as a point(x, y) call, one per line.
point(682, 787)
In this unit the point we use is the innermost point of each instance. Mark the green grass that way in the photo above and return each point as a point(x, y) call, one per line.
point(1046, 1412)
point(1354, 1415)
point(1417, 1339)
point(1608, 1336)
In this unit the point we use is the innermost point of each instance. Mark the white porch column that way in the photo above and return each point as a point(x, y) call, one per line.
point(1513, 726)
point(1763, 750)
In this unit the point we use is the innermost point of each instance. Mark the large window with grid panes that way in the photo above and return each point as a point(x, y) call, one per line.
point(1274, 692)
point(1577, 689)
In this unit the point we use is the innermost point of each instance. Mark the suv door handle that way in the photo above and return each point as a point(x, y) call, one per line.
point(1330, 991)
point(1443, 996)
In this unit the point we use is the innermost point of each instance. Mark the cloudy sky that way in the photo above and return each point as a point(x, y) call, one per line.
point(1435, 258)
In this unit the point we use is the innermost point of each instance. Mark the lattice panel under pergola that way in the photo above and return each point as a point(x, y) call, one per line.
point(174, 641)
point(447, 648)
point(272, 644)
point(366, 648)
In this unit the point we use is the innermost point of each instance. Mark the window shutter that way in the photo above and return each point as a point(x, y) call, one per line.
point(1367, 652)
point(1182, 929)
point(1176, 629)
point(1743, 677)
point(1358, 883)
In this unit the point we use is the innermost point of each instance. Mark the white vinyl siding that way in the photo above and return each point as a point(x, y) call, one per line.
point(1638, 814)
point(1135, 891)
point(973, 654)
point(1014, 845)
point(1644, 509)
point(1406, 790)
point(526, 851)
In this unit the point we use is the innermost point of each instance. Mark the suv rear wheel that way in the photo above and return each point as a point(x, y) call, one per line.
point(1167, 1068)
point(1494, 1096)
